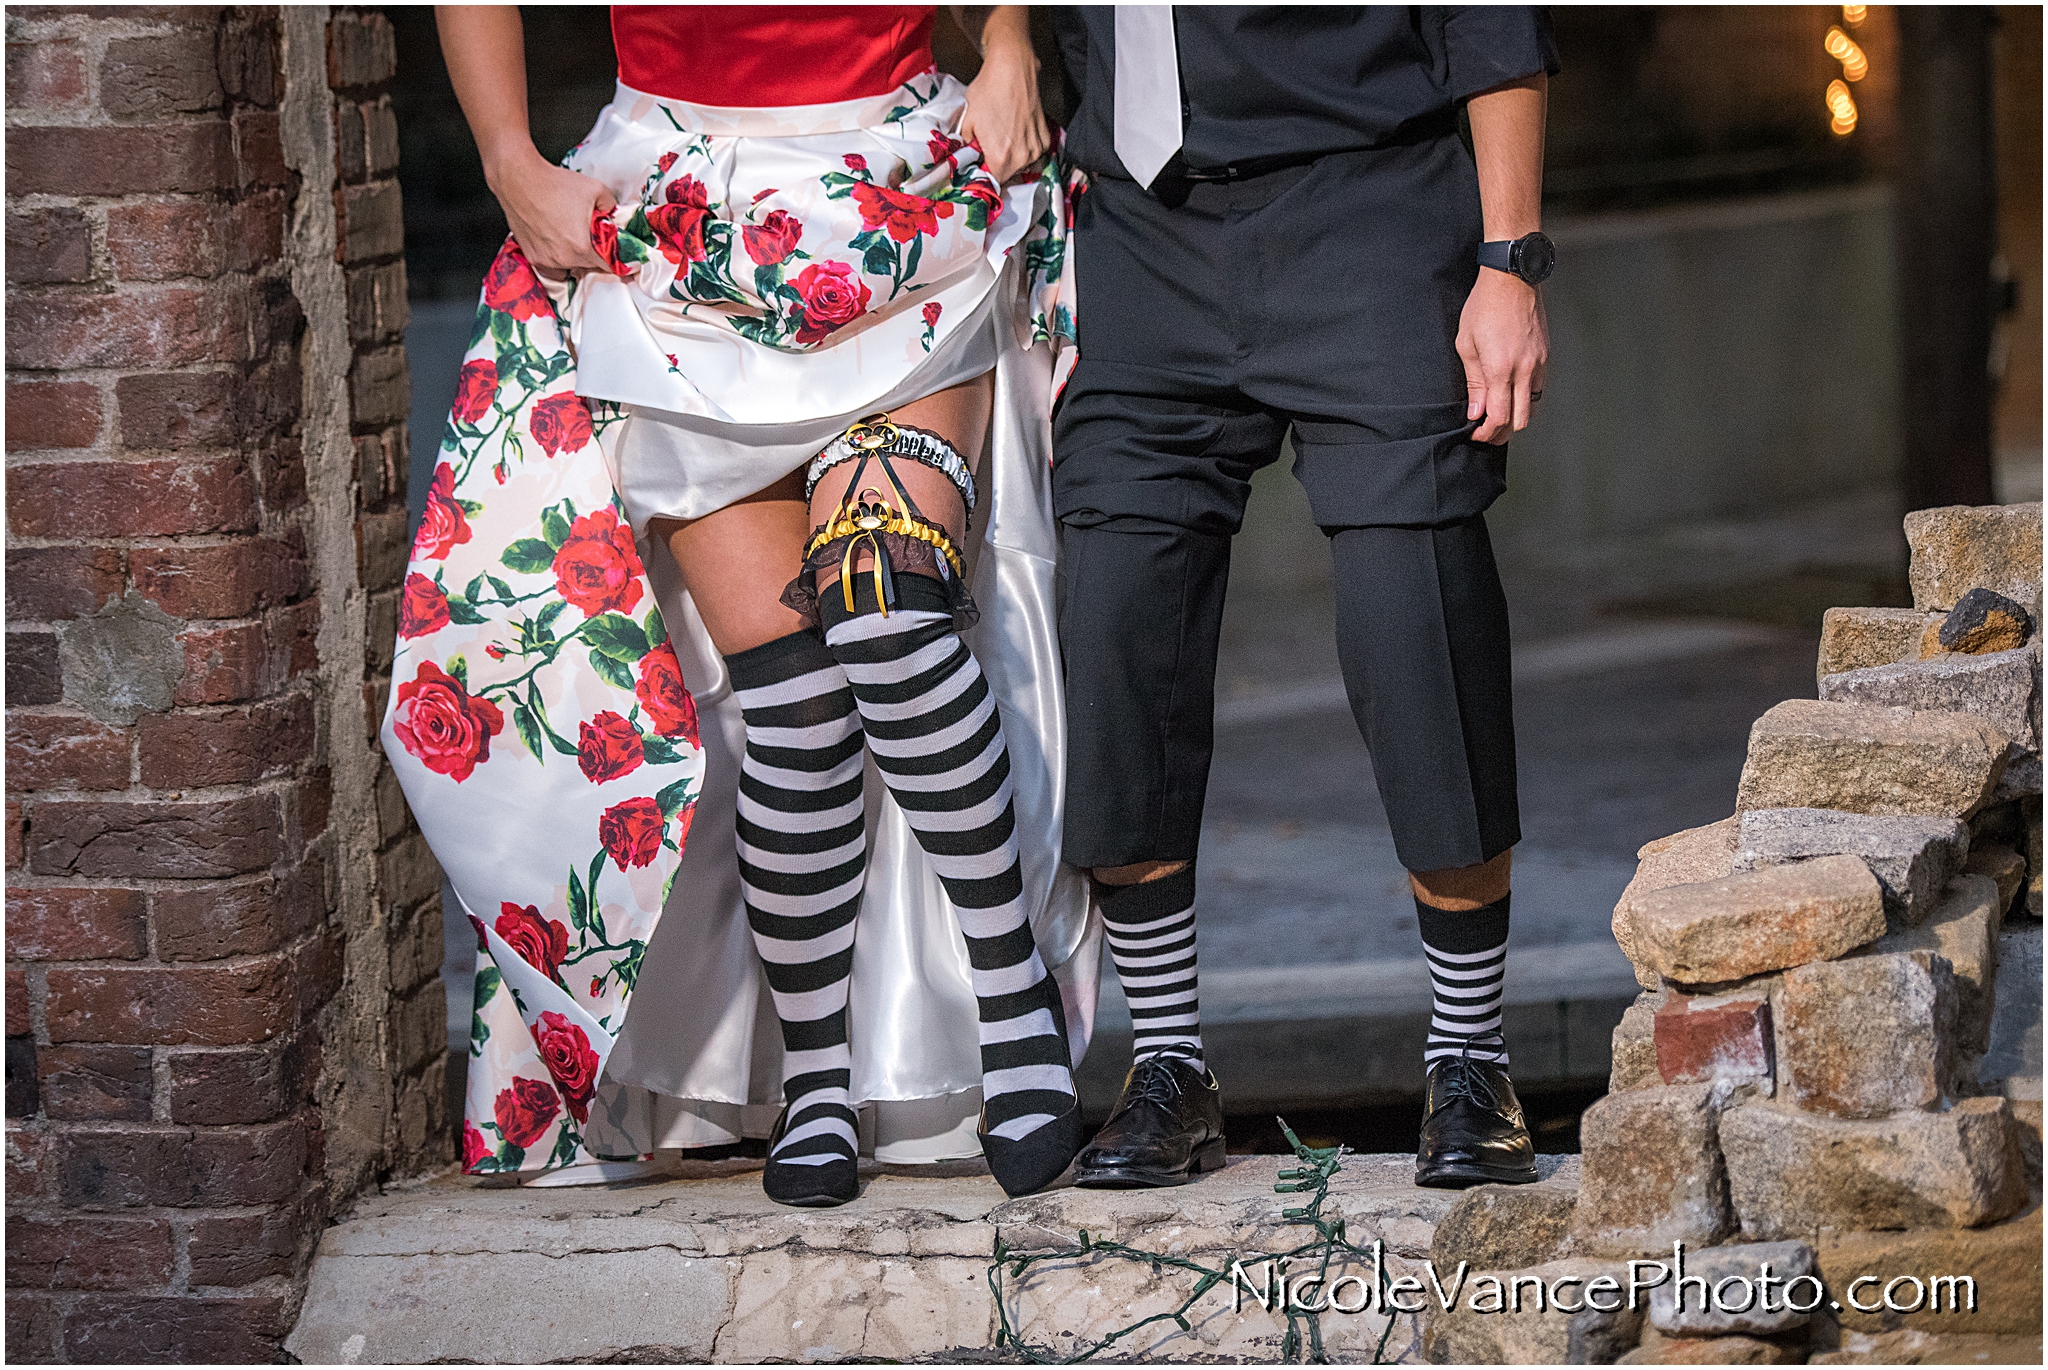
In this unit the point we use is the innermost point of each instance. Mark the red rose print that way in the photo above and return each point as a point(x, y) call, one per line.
point(774, 239)
point(662, 694)
point(596, 985)
point(604, 240)
point(560, 423)
point(931, 314)
point(422, 608)
point(512, 288)
point(683, 820)
point(597, 569)
point(679, 222)
point(607, 747)
point(855, 162)
point(984, 190)
point(942, 147)
point(565, 1050)
point(631, 832)
point(476, 385)
point(442, 724)
point(475, 1150)
point(833, 298)
point(904, 216)
point(525, 1110)
point(444, 525)
point(668, 159)
point(540, 942)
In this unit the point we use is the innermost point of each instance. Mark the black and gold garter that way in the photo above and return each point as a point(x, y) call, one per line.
point(879, 514)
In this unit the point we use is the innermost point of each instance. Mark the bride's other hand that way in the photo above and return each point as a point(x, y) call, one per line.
point(548, 206)
point(1003, 117)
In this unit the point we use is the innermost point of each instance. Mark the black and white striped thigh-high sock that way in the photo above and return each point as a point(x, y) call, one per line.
point(802, 853)
point(935, 734)
point(1468, 957)
point(1151, 929)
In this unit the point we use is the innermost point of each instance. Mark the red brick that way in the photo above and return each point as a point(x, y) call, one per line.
point(163, 240)
point(372, 223)
point(33, 674)
point(48, 246)
point(139, 160)
point(376, 302)
point(419, 1028)
point(222, 580)
point(176, 1169)
point(191, 751)
point(47, 751)
point(173, 841)
point(295, 637)
point(70, 923)
point(179, 326)
point(248, 62)
point(320, 966)
point(141, 499)
point(52, 584)
point(16, 827)
point(210, 1006)
point(259, 150)
point(222, 665)
point(96, 1083)
point(162, 74)
point(33, 1324)
point(231, 1252)
point(1700, 1040)
point(316, 803)
point(19, 1023)
point(243, 1085)
point(177, 409)
point(243, 919)
point(45, 76)
point(122, 1329)
point(362, 50)
point(88, 1253)
point(382, 550)
point(51, 414)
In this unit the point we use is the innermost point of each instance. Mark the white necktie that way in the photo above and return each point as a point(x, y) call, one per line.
point(1147, 89)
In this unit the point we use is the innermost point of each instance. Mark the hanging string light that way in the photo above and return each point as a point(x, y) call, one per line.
point(1843, 109)
point(1843, 49)
point(1855, 66)
point(1854, 15)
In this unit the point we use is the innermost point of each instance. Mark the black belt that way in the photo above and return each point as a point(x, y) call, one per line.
point(1249, 168)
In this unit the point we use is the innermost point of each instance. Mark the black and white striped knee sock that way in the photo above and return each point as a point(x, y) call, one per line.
point(803, 852)
point(1151, 929)
point(1468, 957)
point(933, 729)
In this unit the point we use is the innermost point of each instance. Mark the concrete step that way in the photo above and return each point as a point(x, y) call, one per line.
point(705, 1268)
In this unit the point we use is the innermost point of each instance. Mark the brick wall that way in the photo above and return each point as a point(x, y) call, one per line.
point(188, 920)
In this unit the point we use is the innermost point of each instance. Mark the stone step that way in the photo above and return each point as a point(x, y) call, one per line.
point(1337, 1036)
point(705, 1268)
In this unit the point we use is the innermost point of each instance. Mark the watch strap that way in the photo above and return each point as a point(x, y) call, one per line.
point(1500, 256)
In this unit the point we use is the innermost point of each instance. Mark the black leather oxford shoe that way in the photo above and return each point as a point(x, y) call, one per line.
point(1166, 1130)
point(1472, 1128)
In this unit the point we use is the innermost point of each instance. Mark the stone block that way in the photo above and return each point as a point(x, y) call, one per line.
point(1907, 1347)
point(1634, 1051)
point(1755, 921)
point(1504, 1227)
point(2021, 778)
point(2006, 867)
point(1982, 621)
point(1868, 758)
point(1851, 639)
point(1792, 1173)
point(1653, 1172)
point(1871, 1035)
point(1702, 1039)
point(2033, 855)
point(1658, 1349)
point(1911, 857)
point(1958, 548)
point(1536, 1332)
point(1683, 858)
point(1737, 1290)
point(1962, 930)
point(2001, 688)
point(2015, 1049)
point(2003, 1261)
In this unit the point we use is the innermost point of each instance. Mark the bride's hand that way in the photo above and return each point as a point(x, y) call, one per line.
point(1004, 118)
point(549, 208)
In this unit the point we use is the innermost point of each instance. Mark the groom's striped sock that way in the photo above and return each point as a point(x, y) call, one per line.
point(1151, 931)
point(1468, 957)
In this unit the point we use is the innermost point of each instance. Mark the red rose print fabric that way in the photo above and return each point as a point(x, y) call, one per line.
point(539, 723)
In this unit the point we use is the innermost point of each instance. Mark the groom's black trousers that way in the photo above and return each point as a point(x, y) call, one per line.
point(1322, 300)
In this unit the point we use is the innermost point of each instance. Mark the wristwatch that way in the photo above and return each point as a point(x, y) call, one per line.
point(1530, 256)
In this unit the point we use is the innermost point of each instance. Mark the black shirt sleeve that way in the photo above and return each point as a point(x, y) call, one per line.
point(1486, 45)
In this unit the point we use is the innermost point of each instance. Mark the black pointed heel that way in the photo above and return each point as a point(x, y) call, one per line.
point(1034, 1161)
point(807, 1186)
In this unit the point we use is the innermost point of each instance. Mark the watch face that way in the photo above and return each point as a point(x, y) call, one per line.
point(1535, 258)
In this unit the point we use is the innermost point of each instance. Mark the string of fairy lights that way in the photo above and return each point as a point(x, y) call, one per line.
point(1855, 66)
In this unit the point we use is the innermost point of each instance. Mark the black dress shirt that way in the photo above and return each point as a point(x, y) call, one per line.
point(1277, 83)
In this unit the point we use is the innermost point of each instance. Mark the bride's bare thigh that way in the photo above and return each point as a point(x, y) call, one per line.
point(736, 561)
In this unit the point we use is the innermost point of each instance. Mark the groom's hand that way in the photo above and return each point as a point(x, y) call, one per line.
point(1505, 345)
